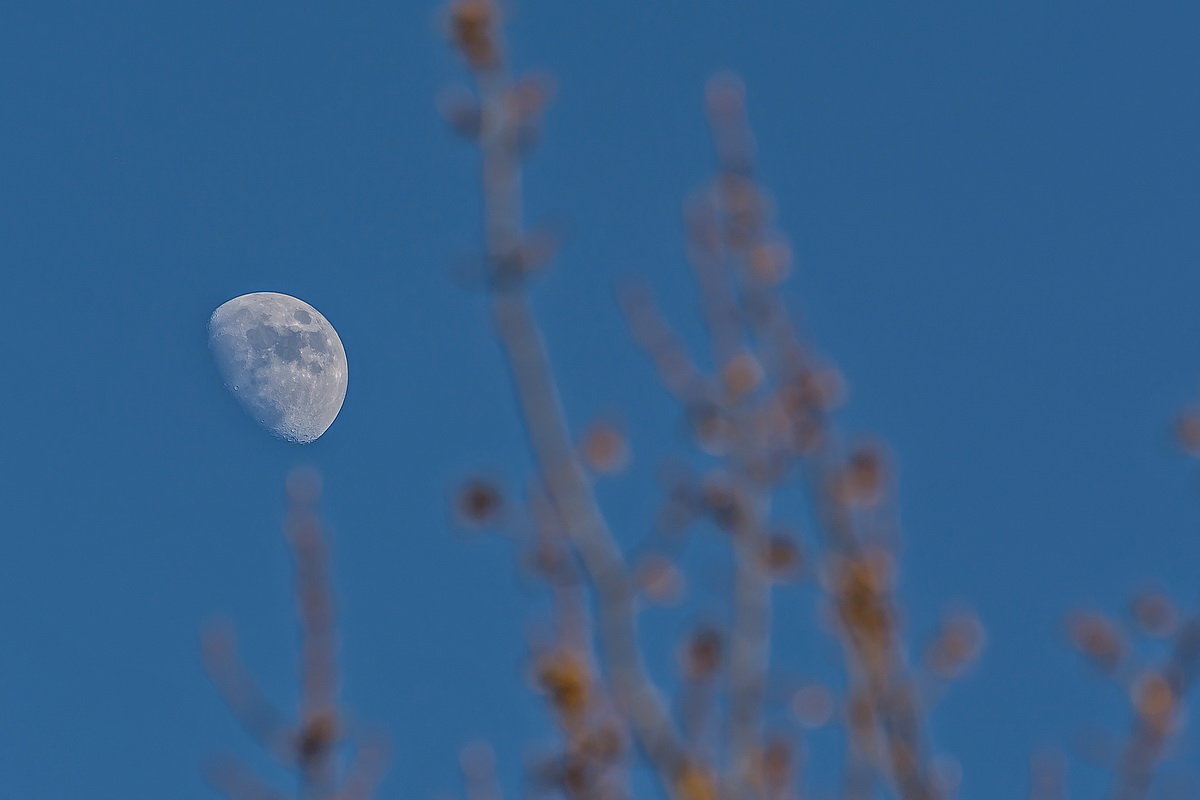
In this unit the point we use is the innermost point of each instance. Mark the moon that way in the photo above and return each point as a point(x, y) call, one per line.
point(283, 361)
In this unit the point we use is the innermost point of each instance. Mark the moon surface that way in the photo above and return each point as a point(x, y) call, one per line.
point(283, 361)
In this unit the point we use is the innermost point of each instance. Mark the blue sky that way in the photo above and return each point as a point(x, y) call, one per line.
point(994, 208)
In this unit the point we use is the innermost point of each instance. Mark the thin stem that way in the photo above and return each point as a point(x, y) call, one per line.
point(319, 717)
point(569, 490)
point(566, 483)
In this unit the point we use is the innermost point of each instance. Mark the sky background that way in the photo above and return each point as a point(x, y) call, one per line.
point(994, 207)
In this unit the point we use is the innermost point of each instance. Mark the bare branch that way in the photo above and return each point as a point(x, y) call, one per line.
point(319, 716)
point(310, 746)
point(475, 24)
point(238, 783)
point(261, 719)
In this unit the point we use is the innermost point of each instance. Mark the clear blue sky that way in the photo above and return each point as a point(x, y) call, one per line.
point(995, 207)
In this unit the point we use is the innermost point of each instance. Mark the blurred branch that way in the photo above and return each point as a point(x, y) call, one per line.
point(507, 112)
point(849, 490)
point(320, 719)
point(663, 345)
point(238, 783)
point(765, 408)
point(309, 744)
point(262, 721)
point(366, 770)
point(721, 228)
point(1158, 697)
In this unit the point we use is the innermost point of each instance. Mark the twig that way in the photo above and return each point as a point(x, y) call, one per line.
point(238, 783)
point(476, 30)
point(260, 718)
point(319, 717)
point(308, 745)
point(1157, 704)
point(720, 231)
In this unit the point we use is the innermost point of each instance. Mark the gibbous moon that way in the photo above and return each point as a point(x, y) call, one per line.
point(282, 360)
